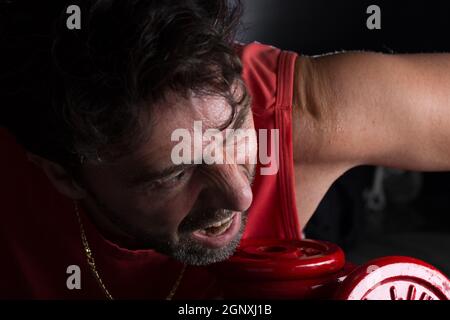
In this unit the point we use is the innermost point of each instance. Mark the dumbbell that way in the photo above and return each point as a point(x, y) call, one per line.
point(310, 269)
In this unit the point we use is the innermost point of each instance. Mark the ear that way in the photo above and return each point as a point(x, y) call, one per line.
point(59, 177)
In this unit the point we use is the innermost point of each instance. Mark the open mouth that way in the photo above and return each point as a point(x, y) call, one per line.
point(219, 233)
point(217, 228)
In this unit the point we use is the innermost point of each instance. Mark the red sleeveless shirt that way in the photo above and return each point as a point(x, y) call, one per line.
point(39, 232)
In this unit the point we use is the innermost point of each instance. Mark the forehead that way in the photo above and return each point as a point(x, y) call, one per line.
point(178, 113)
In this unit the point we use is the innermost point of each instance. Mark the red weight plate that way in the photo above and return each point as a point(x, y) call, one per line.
point(395, 278)
point(283, 260)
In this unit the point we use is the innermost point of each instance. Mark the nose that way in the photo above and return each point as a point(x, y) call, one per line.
point(227, 187)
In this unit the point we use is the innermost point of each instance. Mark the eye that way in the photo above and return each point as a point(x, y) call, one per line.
point(171, 181)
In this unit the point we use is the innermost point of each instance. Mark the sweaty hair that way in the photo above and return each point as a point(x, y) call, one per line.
point(87, 94)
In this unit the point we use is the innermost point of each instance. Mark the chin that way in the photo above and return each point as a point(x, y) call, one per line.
point(203, 256)
point(197, 254)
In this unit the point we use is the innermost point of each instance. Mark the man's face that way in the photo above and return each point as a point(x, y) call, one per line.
point(195, 213)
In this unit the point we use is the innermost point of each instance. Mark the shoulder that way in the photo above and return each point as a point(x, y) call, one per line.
point(267, 72)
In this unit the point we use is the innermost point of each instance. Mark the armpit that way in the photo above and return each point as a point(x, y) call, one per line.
point(312, 112)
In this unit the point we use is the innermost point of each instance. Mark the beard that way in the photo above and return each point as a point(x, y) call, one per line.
point(182, 247)
point(188, 250)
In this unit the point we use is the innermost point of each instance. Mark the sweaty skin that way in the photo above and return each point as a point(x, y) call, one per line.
point(357, 108)
point(141, 204)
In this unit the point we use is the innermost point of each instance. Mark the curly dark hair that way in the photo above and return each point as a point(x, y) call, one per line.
point(81, 93)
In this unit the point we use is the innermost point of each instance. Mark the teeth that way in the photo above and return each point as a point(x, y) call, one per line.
point(220, 223)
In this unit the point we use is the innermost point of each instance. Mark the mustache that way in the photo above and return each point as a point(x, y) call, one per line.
point(202, 218)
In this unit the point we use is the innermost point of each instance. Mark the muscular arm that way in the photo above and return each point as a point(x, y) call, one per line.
point(353, 109)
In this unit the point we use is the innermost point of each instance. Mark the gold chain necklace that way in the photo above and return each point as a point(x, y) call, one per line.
point(91, 262)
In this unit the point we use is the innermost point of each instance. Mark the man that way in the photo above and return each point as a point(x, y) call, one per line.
point(96, 110)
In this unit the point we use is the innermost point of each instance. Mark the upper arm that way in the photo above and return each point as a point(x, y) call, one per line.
point(367, 108)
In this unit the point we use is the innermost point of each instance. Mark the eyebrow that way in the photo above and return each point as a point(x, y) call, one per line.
point(145, 175)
